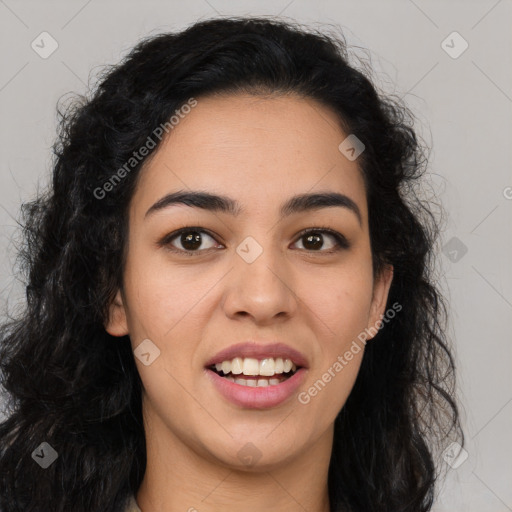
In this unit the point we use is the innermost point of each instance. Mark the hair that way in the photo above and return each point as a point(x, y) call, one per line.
point(71, 384)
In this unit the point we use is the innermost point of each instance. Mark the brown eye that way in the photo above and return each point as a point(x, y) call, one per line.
point(189, 240)
point(315, 239)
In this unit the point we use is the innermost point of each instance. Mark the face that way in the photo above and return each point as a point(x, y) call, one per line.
point(300, 277)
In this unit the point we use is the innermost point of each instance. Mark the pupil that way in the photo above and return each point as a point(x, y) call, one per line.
point(314, 241)
point(191, 240)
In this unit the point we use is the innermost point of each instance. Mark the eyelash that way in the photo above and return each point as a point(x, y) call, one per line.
point(341, 241)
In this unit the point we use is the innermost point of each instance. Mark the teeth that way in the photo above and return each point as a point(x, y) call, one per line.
point(237, 366)
point(226, 367)
point(260, 383)
point(267, 367)
point(251, 366)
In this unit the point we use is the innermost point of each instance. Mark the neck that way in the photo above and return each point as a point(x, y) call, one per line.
point(177, 478)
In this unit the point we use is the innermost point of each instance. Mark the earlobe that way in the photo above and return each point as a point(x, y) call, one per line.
point(381, 288)
point(116, 324)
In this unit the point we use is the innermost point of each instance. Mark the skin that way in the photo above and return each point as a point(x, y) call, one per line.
point(259, 151)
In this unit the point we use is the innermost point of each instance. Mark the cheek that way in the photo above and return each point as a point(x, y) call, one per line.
point(164, 307)
point(162, 299)
point(341, 300)
point(340, 307)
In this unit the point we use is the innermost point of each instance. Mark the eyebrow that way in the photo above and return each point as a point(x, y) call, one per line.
point(297, 204)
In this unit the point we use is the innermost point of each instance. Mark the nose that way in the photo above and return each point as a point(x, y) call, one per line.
point(262, 289)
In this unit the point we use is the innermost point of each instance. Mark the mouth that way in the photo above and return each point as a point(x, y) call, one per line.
point(256, 391)
point(252, 372)
point(254, 375)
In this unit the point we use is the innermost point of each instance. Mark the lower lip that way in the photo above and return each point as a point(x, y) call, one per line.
point(257, 397)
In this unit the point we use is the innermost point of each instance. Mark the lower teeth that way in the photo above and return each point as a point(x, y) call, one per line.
point(256, 383)
point(260, 383)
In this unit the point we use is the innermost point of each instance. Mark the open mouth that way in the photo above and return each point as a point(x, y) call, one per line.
point(252, 376)
point(254, 382)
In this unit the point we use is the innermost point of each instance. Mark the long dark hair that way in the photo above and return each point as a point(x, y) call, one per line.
point(72, 385)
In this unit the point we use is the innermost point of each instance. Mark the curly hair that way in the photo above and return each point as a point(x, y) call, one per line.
point(71, 384)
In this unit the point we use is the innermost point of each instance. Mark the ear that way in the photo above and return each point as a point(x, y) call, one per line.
point(117, 324)
point(381, 286)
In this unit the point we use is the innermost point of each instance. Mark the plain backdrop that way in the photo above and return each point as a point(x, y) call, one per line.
point(462, 101)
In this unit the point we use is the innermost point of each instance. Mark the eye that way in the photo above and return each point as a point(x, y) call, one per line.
point(191, 240)
point(188, 240)
point(314, 239)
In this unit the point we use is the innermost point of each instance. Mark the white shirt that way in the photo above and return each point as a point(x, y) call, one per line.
point(132, 505)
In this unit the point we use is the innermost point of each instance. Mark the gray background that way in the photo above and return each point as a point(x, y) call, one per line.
point(463, 106)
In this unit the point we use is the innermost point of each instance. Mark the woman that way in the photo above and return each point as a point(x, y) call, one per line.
point(230, 300)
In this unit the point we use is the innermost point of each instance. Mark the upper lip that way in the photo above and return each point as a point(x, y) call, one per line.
point(259, 351)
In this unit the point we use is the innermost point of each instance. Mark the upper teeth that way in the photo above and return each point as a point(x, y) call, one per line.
point(252, 366)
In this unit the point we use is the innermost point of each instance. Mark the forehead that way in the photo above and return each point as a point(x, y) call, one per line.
point(257, 149)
